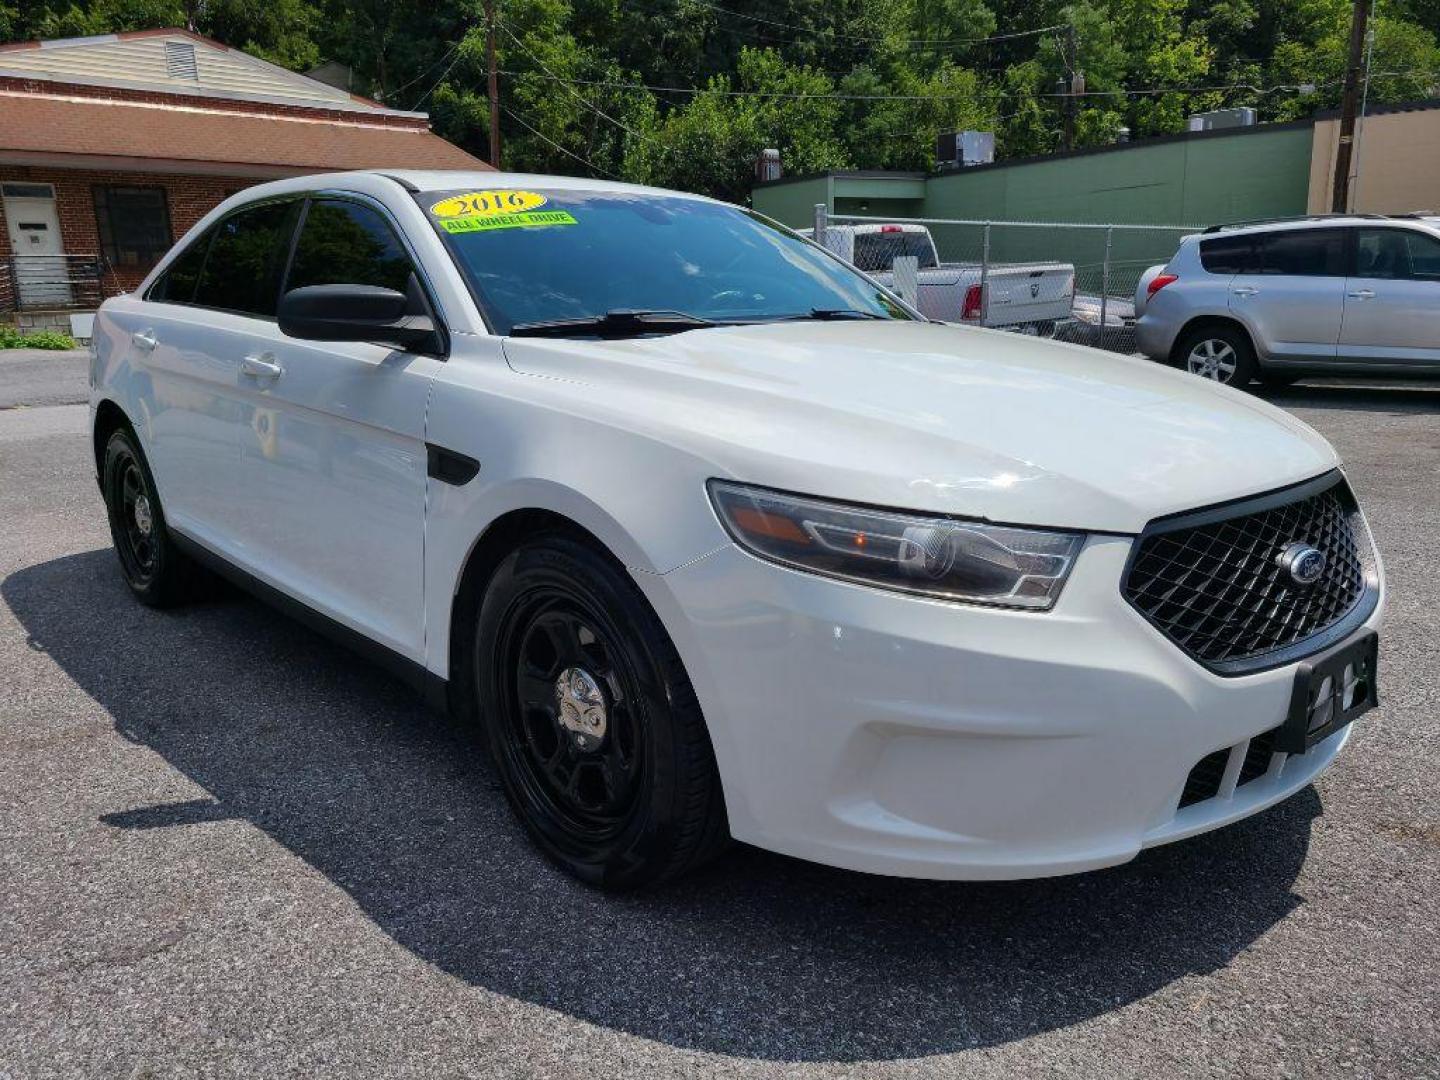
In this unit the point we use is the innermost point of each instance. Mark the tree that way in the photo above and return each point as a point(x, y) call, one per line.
point(687, 92)
point(1405, 63)
point(713, 139)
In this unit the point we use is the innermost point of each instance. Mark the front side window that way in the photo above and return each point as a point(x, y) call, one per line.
point(533, 257)
point(1304, 253)
point(1397, 254)
point(247, 256)
point(347, 243)
point(177, 284)
point(134, 224)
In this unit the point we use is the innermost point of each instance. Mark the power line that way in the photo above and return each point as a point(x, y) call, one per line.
point(453, 46)
point(437, 82)
point(881, 39)
point(1152, 91)
point(1128, 92)
point(578, 97)
point(546, 138)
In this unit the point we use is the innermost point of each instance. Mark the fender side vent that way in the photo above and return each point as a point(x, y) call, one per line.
point(449, 467)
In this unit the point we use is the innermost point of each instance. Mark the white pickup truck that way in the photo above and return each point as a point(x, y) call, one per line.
point(1028, 296)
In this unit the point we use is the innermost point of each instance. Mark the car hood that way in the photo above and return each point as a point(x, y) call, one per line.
point(949, 419)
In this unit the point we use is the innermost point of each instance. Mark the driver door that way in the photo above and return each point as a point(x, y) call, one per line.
point(334, 459)
point(1392, 301)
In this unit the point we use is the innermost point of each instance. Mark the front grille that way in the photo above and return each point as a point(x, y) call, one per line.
point(1204, 779)
point(1213, 584)
point(1258, 755)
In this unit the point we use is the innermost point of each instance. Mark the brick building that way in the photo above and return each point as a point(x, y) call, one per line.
point(112, 147)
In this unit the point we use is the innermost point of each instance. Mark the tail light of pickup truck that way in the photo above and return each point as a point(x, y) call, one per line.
point(971, 307)
point(1158, 282)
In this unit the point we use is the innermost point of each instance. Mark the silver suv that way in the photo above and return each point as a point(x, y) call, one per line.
point(1278, 300)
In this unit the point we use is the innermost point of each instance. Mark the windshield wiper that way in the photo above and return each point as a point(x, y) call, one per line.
point(617, 324)
point(831, 315)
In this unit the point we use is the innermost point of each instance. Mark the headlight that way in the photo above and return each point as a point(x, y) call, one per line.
point(932, 556)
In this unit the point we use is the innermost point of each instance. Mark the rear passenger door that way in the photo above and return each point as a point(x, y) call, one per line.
point(334, 461)
point(1291, 292)
point(1392, 300)
point(199, 320)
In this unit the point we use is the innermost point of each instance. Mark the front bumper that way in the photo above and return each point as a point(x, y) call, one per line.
point(895, 735)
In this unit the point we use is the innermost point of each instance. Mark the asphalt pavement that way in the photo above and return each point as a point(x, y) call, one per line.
point(228, 848)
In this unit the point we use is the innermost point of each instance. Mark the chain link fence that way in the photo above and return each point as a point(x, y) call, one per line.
point(1073, 281)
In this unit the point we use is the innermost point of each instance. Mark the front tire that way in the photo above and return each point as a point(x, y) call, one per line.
point(598, 738)
point(158, 573)
point(1219, 352)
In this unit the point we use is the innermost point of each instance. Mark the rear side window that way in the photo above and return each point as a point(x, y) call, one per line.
point(177, 284)
point(1227, 254)
point(1397, 253)
point(346, 243)
point(1303, 253)
point(247, 256)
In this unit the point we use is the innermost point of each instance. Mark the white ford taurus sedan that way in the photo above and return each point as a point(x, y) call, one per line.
point(713, 537)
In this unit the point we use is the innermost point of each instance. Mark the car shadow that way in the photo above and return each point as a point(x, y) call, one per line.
point(1397, 397)
point(759, 956)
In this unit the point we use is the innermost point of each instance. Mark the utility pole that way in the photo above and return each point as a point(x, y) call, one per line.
point(494, 85)
point(1340, 194)
point(1070, 86)
point(1067, 120)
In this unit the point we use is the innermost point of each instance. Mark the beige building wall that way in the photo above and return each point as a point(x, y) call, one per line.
point(1398, 159)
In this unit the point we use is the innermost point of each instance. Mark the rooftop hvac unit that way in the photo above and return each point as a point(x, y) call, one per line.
point(1222, 118)
point(767, 165)
point(961, 148)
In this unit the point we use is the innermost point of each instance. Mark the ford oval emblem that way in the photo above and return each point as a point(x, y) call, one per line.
point(1304, 563)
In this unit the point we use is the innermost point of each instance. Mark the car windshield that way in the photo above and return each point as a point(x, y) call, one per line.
point(538, 257)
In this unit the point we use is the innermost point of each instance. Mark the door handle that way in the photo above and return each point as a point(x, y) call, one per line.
point(1361, 294)
point(263, 366)
point(144, 340)
point(1244, 290)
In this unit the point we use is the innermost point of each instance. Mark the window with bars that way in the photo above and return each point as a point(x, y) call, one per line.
point(134, 224)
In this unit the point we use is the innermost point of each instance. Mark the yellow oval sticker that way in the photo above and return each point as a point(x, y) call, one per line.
point(488, 204)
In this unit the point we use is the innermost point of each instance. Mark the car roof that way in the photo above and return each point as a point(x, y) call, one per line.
point(437, 180)
point(868, 227)
point(450, 179)
point(1421, 220)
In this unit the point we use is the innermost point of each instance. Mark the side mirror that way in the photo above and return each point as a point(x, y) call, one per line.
point(360, 313)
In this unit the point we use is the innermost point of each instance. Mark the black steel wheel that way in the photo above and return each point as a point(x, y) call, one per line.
point(595, 729)
point(157, 573)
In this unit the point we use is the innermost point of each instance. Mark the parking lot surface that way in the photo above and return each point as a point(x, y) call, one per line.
point(228, 848)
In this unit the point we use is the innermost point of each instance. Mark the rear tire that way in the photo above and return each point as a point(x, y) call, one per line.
point(158, 573)
point(1220, 352)
point(594, 727)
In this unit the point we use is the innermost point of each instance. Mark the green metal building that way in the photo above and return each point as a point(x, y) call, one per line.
point(1189, 180)
point(1196, 178)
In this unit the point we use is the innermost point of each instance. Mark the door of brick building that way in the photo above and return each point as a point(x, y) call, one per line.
point(38, 266)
